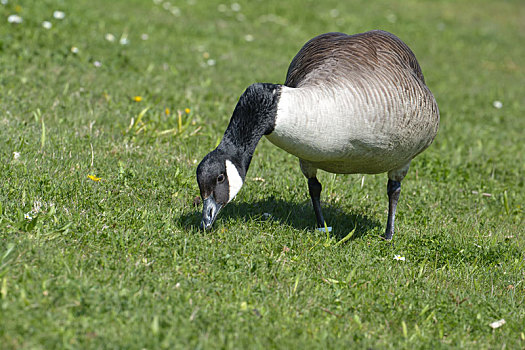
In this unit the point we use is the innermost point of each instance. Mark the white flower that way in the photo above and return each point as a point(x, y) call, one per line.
point(74, 49)
point(15, 19)
point(47, 25)
point(28, 216)
point(144, 36)
point(399, 257)
point(59, 15)
point(124, 40)
point(334, 13)
point(497, 104)
point(211, 62)
point(497, 324)
point(248, 37)
point(391, 17)
point(175, 11)
point(236, 7)
point(16, 155)
point(3, 2)
point(97, 64)
point(109, 37)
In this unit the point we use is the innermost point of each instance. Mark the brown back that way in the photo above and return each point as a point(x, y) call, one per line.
point(339, 53)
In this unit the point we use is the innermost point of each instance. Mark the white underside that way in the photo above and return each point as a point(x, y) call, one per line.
point(341, 130)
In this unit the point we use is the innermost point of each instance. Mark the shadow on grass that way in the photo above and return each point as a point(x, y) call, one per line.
point(298, 215)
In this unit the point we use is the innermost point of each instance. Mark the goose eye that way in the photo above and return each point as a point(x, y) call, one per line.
point(220, 178)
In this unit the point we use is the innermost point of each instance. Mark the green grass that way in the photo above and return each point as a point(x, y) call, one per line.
point(120, 263)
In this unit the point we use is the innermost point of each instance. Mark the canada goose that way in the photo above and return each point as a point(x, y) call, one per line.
point(350, 104)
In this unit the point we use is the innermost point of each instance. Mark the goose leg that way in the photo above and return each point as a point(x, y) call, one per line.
point(393, 190)
point(314, 187)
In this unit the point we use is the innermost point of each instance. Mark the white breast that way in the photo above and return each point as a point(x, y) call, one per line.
point(346, 128)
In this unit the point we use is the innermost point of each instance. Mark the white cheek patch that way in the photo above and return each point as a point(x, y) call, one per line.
point(234, 179)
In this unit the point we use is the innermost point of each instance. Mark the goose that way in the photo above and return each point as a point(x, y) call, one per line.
point(350, 104)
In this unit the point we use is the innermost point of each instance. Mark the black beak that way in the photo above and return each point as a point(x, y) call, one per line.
point(209, 212)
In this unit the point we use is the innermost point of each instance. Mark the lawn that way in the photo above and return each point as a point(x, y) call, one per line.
point(105, 114)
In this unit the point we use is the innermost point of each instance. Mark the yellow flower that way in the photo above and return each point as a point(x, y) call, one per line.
point(94, 178)
point(167, 111)
point(137, 98)
point(187, 110)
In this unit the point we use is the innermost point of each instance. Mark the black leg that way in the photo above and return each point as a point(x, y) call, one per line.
point(393, 190)
point(314, 187)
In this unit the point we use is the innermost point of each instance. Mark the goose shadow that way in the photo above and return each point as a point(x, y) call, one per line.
point(298, 215)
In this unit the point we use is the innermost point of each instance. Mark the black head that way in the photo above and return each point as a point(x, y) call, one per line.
point(221, 173)
point(219, 181)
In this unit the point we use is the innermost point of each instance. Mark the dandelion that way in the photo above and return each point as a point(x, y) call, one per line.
point(248, 37)
point(167, 111)
point(244, 306)
point(399, 258)
point(222, 8)
point(47, 25)
point(3, 2)
point(15, 19)
point(211, 62)
point(144, 36)
point(94, 178)
point(28, 216)
point(175, 11)
point(124, 40)
point(74, 49)
point(109, 37)
point(497, 104)
point(59, 15)
point(97, 64)
point(187, 110)
point(137, 98)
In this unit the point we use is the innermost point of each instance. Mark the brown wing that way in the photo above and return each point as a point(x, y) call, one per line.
point(337, 52)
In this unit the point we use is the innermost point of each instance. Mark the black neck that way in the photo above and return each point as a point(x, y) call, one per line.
point(253, 117)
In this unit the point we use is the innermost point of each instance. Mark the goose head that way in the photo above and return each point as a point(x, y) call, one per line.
point(219, 182)
point(221, 173)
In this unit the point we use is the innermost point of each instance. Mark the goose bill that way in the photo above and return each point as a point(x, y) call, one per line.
point(209, 212)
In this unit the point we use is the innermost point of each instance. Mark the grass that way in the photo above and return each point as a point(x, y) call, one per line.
point(120, 263)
